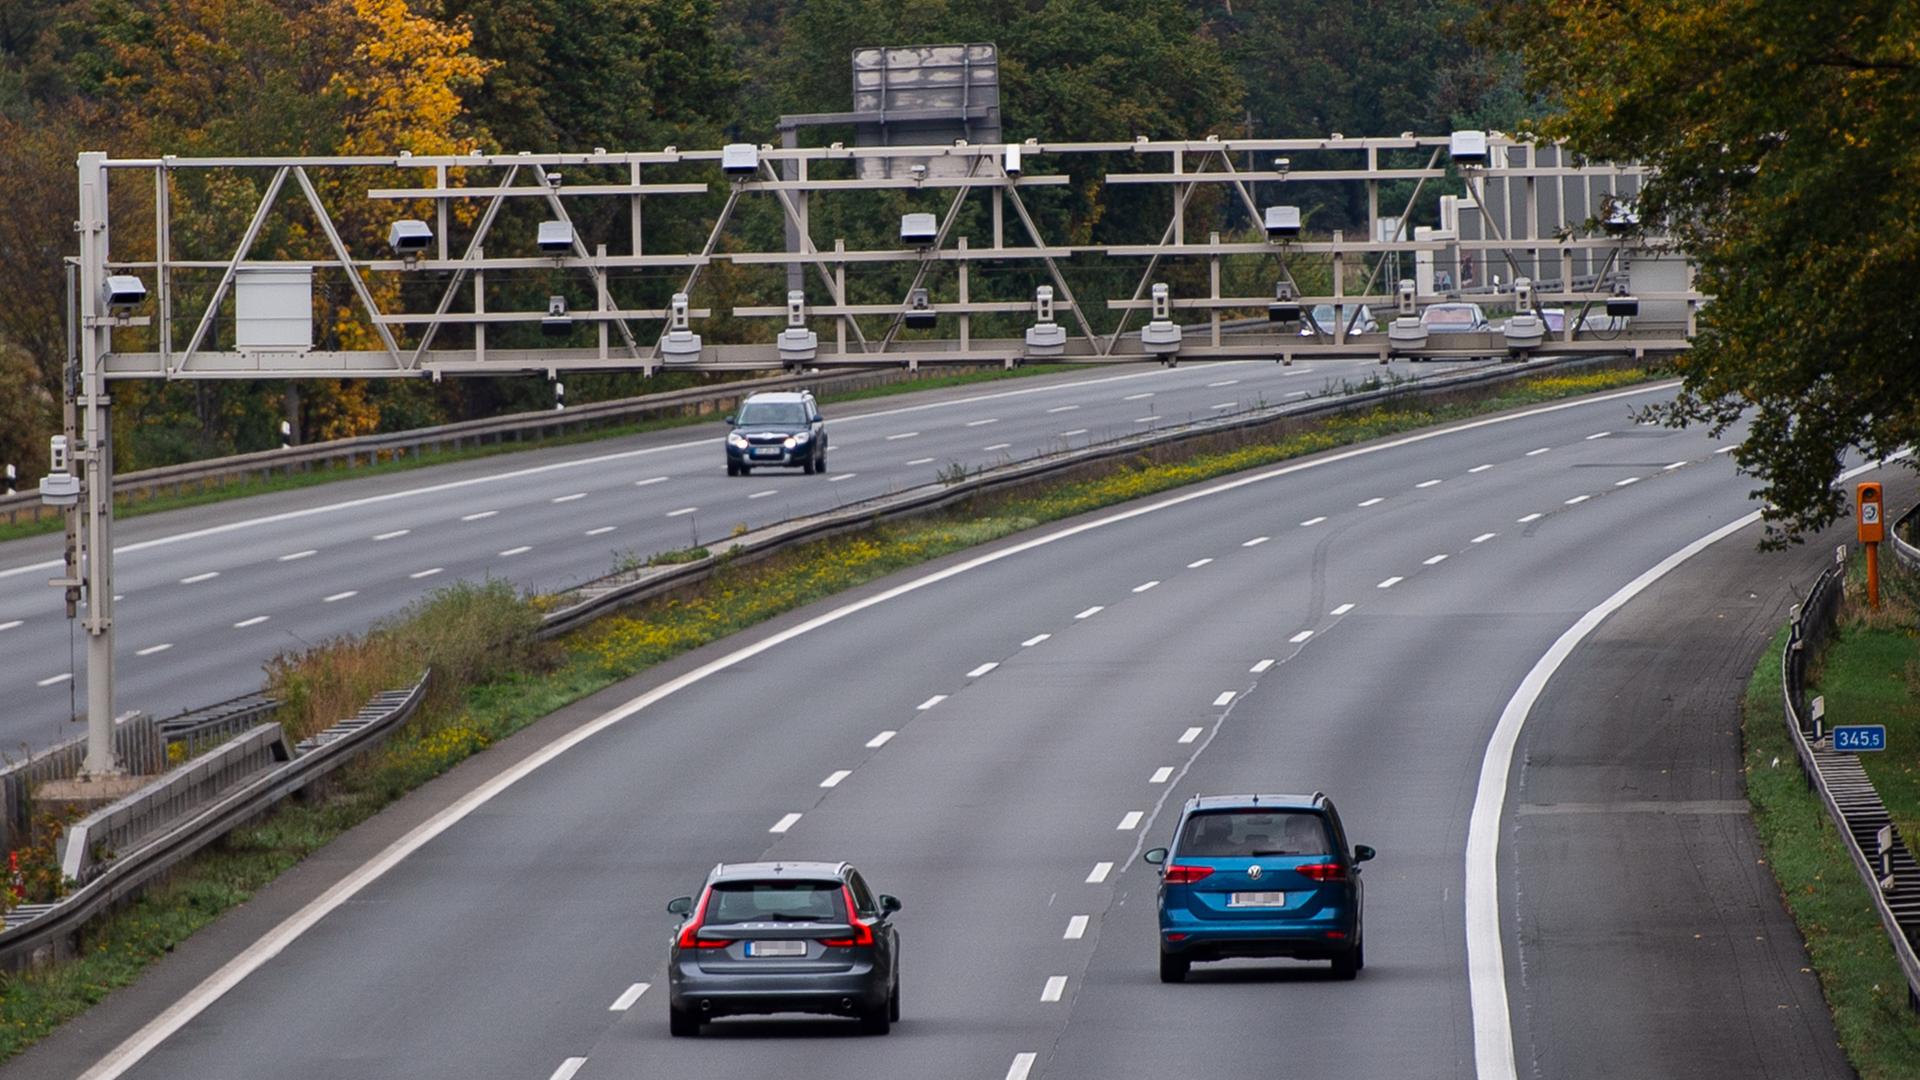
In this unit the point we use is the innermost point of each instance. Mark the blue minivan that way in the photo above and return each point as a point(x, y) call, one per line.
point(1260, 875)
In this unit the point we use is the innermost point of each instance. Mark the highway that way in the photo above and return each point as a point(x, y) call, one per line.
point(208, 595)
point(995, 737)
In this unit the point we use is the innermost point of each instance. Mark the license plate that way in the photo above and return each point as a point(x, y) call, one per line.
point(776, 948)
point(1257, 899)
point(771, 451)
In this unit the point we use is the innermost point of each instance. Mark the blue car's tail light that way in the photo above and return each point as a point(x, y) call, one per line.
point(1186, 875)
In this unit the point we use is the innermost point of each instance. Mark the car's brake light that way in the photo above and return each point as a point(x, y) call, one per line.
point(1186, 875)
point(690, 930)
point(1325, 871)
point(862, 932)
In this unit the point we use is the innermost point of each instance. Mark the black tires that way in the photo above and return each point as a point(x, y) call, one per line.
point(1173, 969)
point(879, 1021)
point(821, 464)
point(811, 465)
point(1347, 965)
point(732, 469)
point(682, 1024)
point(893, 1003)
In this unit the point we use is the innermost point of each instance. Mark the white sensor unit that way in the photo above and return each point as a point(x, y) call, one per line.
point(740, 160)
point(1161, 336)
point(918, 230)
point(680, 344)
point(1468, 147)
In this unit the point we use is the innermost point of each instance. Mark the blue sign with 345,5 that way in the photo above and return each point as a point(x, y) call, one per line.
point(1857, 737)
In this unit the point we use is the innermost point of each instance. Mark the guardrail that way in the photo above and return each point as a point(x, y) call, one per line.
point(41, 930)
point(1904, 553)
point(589, 601)
point(1889, 872)
point(136, 740)
point(198, 729)
point(516, 427)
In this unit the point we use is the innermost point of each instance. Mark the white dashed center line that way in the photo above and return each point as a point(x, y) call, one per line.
point(1100, 872)
point(602, 530)
point(1198, 563)
point(921, 461)
point(880, 740)
point(1091, 612)
point(1022, 1065)
point(1225, 405)
point(1062, 408)
point(1161, 775)
point(983, 423)
point(1146, 419)
point(1313, 521)
point(997, 446)
point(568, 498)
point(1136, 397)
point(983, 669)
point(1225, 698)
point(393, 534)
point(650, 480)
point(1130, 821)
point(1627, 481)
point(1389, 583)
point(1071, 434)
point(1434, 560)
point(339, 596)
point(1598, 435)
point(10, 624)
point(1034, 640)
point(568, 1068)
point(1675, 465)
point(255, 621)
point(1528, 518)
point(1299, 637)
point(1373, 501)
point(429, 572)
point(625, 1001)
point(1483, 538)
point(298, 555)
point(1426, 483)
point(481, 516)
point(902, 435)
point(54, 679)
point(785, 823)
point(1578, 499)
point(1536, 453)
point(151, 649)
point(938, 698)
point(1341, 610)
point(1076, 928)
point(1144, 586)
point(1261, 666)
point(1479, 468)
point(1728, 449)
point(833, 779)
point(521, 550)
point(1190, 734)
point(683, 511)
point(1256, 541)
point(774, 491)
point(842, 476)
point(198, 578)
point(1056, 986)
point(1222, 382)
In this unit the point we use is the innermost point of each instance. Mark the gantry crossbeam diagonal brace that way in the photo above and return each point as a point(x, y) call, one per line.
point(1053, 266)
point(346, 260)
point(693, 275)
point(1180, 197)
point(926, 257)
point(599, 274)
point(233, 266)
point(474, 246)
point(807, 248)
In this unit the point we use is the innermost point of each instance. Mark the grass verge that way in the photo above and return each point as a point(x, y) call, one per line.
point(1858, 973)
point(264, 485)
point(490, 681)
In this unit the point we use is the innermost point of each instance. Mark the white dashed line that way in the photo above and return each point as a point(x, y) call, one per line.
point(625, 1001)
point(568, 1068)
point(1529, 518)
point(1728, 449)
point(1434, 560)
point(1056, 986)
point(1479, 468)
point(1076, 928)
point(1675, 465)
point(1225, 405)
point(1190, 734)
point(650, 480)
point(1256, 541)
point(1390, 583)
point(1144, 586)
point(1198, 563)
point(880, 740)
point(997, 446)
point(1022, 1065)
point(568, 498)
point(774, 491)
point(55, 679)
point(1130, 821)
point(10, 624)
point(1483, 538)
point(255, 621)
point(393, 534)
point(1598, 435)
point(429, 572)
point(833, 779)
point(1426, 483)
point(938, 698)
point(1537, 453)
point(151, 649)
point(785, 823)
point(298, 555)
point(1373, 501)
point(339, 596)
point(842, 476)
point(1034, 640)
point(1091, 612)
point(1100, 872)
point(1071, 434)
point(1313, 521)
point(683, 511)
point(983, 669)
point(1146, 419)
point(1261, 666)
point(902, 435)
point(1299, 637)
point(198, 578)
point(521, 550)
point(1161, 775)
point(1341, 610)
point(602, 530)
point(1627, 481)
point(1061, 409)
point(921, 461)
point(1578, 499)
point(1136, 397)
point(481, 516)
point(983, 423)
point(1222, 382)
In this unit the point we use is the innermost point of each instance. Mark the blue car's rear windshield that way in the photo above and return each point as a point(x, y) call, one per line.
point(773, 412)
point(776, 901)
point(1227, 834)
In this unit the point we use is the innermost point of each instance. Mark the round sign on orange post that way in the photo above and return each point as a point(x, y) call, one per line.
point(1871, 519)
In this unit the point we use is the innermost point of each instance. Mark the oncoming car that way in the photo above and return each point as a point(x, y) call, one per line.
point(1323, 319)
point(1260, 875)
point(777, 937)
point(777, 428)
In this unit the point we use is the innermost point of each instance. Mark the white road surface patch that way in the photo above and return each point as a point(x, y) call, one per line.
point(1091, 612)
point(481, 516)
point(1144, 586)
point(568, 498)
point(938, 698)
point(1628, 480)
point(1529, 518)
point(683, 511)
point(1426, 483)
point(1479, 468)
point(1225, 698)
point(650, 480)
point(1161, 775)
point(1375, 501)
point(1434, 560)
point(392, 535)
point(983, 669)
point(428, 572)
point(1313, 521)
point(568, 1068)
point(1034, 640)
point(1056, 986)
point(1022, 1065)
point(1100, 872)
point(198, 578)
point(512, 551)
point(880, 740)
point(774, 491)
point(151, 649)
point(298, 555)
point(55, 679)
point(833, 778)
point(1261, 666)
point(339, 596)
point(1256, 541)
point(628, 997)
point(1390, 583)
point(1198, 563)
point(1076, 928)
point(1189, 735)
point(1578, 499)
point(1537, 453)
point(785, 823)
point(902, 435)
point(1483, 538)
point(255, 621)
point(1300, 637)
point(983, 423)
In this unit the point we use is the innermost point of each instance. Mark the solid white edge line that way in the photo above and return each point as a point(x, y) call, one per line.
point(195, 1001)
point(1022, 1065)
point(1493, 1054)
point(628, 997)
point(568, 1068)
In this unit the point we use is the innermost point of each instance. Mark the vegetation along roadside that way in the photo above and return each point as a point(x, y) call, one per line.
point(491, 679)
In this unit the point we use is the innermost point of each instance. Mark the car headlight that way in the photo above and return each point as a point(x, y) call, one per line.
point(734, 438)
point(802, 436)
point(789, 443)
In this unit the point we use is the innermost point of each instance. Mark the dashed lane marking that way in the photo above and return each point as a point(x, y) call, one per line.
point(1034, 640)
point(785, 823)
point(339, 596)
point(833, 778)
point(1483, 538)
point(512, 551)
point(392, 535)
point(1144, 586)
point(1390, 583)
point(628, 997)
point(1578, 499)
point(1341, 610)
point(1190, 734)
point(481, 516)
point(1375, 501)
point(1161, 775)
point(568, 498)
point(298, 555)
point(1434, 560)
point(938, 698)
point(1130, 821)
point(428, 572)
point(983, 669)
point(1261, 666)
point(198, 578)
point(1100, 872)
point(1313, 521)
point(1056, 986)
point(1076, 928)
point(1091, 612)
point(63, 677)
point(1300, 637)
point(151, 649)
point(1198, 563)
point(255, 621)
point(1225, 698)
point(880, 740)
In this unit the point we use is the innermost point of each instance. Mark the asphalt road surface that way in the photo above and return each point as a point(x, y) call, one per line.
point(208, 595)
point(996, 737)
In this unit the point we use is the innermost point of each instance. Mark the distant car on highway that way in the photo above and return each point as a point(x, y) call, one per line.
point(781, 427)
point(1326, 316)
point(1260, 875)
point(1454, 318)
point(774, 937)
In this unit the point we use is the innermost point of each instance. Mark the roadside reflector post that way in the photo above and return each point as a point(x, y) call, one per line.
point(1872, 522)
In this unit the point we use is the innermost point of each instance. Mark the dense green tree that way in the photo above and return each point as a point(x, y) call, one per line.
point(1783, 138)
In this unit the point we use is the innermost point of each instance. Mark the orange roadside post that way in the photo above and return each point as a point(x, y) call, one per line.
point(1872, 525)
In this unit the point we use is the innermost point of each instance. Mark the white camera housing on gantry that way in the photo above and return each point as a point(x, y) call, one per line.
point(122, 293)
point(1283, 222)
point(920, 314)
point(59, 487)
point(556, 323)
point(1045, 337)
point(680, 344)
point(740, 160)
point(1622, 304)
point(1468, 148)
point(1161, 335)
point(918, 230)
point(409, 239)
point(1525, 329)
point(1407, 332)
point(556, 238)
point(797, 344)
point(1285, 308)
point(1010, 159)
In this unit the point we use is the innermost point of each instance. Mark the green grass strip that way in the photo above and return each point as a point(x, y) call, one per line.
point(462, 720)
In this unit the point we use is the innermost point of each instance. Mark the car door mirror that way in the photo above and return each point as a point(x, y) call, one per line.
point(731, 420)
point(889, 904)
point(680, 905)
point(1156, 856)
point(1361, 853)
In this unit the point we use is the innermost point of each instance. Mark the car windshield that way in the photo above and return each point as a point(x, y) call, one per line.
point(776, 901)
point(1228, 834)
point(773, 412)
point(1555, 321)
point(1449, 316)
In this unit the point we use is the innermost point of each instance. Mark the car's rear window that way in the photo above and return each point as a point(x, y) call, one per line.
point(1450, 316)
point(776, 901)
point(773, 412)
point(1226, 834)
